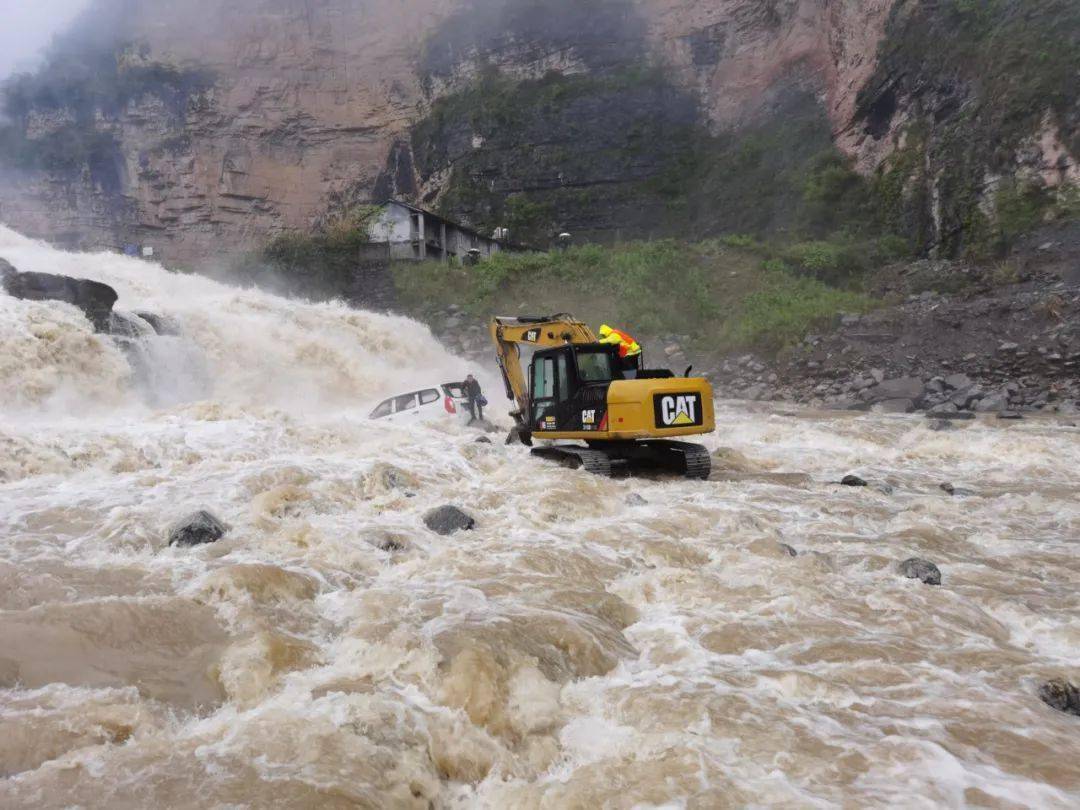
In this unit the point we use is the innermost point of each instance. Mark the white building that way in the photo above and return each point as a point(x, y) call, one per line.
point(413, 233)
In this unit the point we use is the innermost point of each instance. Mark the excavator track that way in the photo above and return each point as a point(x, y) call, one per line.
point(696, 460)
point(689, 460)
point(574, 457)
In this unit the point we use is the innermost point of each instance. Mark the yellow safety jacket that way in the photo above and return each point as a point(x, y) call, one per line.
point(628, 347)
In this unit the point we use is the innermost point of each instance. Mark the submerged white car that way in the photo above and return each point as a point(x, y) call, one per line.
point(442, 401)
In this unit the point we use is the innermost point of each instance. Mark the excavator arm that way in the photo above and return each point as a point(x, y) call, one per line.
point(543, 331)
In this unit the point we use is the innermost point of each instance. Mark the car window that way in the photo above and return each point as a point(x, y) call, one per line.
point(384, 408)
point(455, 390)
point(405, 402)
point(428, 396)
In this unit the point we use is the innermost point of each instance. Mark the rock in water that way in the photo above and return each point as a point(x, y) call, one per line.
point(197, 529)
point(1061, 695)
point(159, 323)
point(852, 481)
point(633, 499)
point(448, 519)
point(482, 440)
point(923, 570)
point(789, 550)
point(895, 406)
point(92, 297)
point(941, 424)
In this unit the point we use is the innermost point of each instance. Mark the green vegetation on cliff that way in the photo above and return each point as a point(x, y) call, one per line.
point(620, 155)
point(981, 79)
point(618, 152)
point(727, 294)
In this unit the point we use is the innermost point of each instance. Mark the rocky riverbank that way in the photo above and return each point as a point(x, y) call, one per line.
point(954, 339)
point(974, 344)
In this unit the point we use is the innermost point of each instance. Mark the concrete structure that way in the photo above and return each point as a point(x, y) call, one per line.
point(411, 233)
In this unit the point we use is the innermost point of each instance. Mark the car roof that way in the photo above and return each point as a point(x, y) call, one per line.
point(433, 386)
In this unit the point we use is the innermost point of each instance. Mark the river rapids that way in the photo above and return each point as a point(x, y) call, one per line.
point(576, 650)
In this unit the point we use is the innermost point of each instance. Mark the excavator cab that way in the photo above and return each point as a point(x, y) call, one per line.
point(568, 386)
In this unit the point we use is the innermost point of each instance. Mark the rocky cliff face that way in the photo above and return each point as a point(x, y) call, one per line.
point(232, 122)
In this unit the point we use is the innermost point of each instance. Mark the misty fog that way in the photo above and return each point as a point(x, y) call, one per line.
point(28, 26)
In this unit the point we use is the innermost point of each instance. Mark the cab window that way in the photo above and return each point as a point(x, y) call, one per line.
point(564, 378)
point(544, 378)
point(543, 387)
point(595, 367)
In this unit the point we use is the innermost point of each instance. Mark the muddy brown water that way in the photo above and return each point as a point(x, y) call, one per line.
point(573, 651)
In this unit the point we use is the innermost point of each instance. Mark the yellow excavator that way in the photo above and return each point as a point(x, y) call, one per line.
point(580, 389)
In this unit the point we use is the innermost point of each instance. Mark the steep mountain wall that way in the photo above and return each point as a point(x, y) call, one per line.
point(217, 125)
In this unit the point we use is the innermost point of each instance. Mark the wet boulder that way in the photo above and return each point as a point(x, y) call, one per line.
point(895, 406)
point(899, 389)
point(446, 520)
point(922, 570)
point(943, 410)
point(958, 382)
point(127, 326)
point(995, 401)
point(1061, 695)
point(633, 499)
point(92, 297)
point(159, 323)
point(197, 529)
point(941, 425)
point(853, 481)
point(482, 440)
point(789, 550)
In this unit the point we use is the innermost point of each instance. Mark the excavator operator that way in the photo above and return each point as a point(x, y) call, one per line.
point(629, 350)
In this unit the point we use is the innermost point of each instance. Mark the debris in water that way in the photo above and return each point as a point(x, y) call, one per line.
point(920, 569)
point(852, 481)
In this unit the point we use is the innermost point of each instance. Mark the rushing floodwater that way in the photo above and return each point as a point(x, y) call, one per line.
point(573, 651)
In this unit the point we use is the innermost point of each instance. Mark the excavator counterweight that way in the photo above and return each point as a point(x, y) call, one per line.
point(578, 389)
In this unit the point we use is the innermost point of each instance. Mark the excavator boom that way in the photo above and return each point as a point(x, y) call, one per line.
point(540, 331)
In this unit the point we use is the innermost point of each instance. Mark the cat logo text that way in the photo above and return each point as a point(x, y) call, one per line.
point(678, 410)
